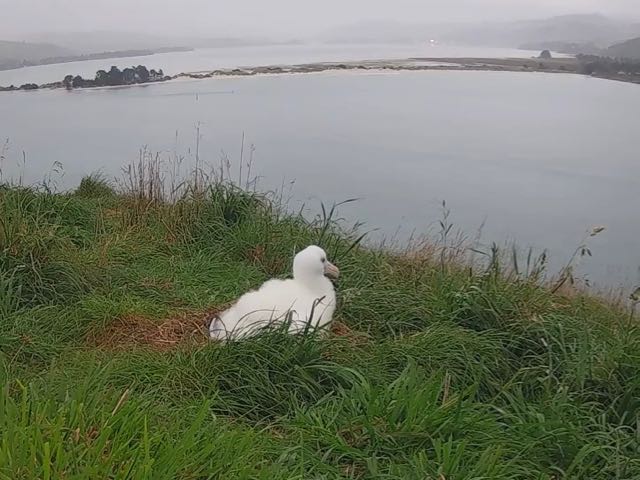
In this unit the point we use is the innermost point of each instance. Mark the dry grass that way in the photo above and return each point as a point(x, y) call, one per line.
point(184, 331)
point(354, 337)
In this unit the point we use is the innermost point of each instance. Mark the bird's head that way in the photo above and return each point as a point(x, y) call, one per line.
point(312, 263)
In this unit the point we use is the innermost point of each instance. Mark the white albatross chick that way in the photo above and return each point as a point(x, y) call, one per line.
point(306, 302)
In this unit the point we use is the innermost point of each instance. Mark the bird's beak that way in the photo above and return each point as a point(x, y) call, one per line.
point(331, 271)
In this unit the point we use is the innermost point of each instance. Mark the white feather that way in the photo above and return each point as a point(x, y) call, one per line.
point(307, 301)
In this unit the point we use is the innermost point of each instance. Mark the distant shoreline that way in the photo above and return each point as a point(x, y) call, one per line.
point(558, 65)
point(524, 65)
point(91, 56)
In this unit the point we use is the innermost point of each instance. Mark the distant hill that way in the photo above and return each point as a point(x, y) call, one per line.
point(565, 47)
point(16, 51)
point(628, 49)
point(101, 41)
point(12, 64)
point(592, 31)
point(48, 48)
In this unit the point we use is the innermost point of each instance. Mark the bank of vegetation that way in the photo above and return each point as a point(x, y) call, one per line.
point(435, 367)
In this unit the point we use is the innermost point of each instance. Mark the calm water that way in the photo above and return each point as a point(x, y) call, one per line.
point(540, 158)
point(212, 58)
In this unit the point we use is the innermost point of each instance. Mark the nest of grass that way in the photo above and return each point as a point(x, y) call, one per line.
point(187, 330)
point(133, 331)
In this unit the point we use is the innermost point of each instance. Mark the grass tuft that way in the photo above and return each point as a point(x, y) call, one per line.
point(95, 186)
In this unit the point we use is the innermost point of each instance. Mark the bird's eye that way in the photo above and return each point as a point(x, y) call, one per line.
point(324, 260)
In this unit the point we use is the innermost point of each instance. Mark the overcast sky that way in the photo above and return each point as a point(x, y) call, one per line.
point(285, 17)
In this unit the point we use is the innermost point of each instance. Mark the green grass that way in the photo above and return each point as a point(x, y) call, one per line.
point(438, 370)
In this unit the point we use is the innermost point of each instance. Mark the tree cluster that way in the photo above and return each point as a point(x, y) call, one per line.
point(594, 65)
point(115, 76)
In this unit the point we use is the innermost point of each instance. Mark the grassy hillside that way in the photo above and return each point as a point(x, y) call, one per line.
point(433, 370)
point(629, 49)
point(19, 51)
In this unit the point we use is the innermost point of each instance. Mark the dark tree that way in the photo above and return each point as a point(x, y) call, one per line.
point(102, 78)
point(78, 82)
point(129, 76)
point(546, 55)
point(114, 77)
point(591, 64)
point(142, 73)
point(68, 82)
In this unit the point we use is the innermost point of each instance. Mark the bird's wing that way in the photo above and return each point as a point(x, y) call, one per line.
point(274, 303)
